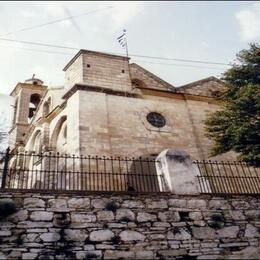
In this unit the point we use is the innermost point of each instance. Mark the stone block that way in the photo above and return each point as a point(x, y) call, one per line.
point(229, 232)
point(33, 203)
point(219, 204)
point(5, 233)
point(21, 215)
point(101, 235)
point(237, 215)
point(144, 217)
point(105, 215)
point(129, 235)
point(161, 224)
point(251, 231)
point(58, 205)
point(50, 237)
point(160, 204)
point(203, 232)
point(196, 204)
point(34, 224)
point(75, 235)
point(240, 204)
point(133, 204)
point(171, 253)
point(99, 203)
point(195, 215)
point(247, 253)
point(177, 203)
point(179, 234)
point(144, 255)
point(82, 218)
point(125, 214)
point(29, 256)
point(89, 247)
point(117, 254)
point(41, 216)
point(79, 203)
point(170, 216)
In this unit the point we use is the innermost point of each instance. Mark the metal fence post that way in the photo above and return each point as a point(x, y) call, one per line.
point(5, 170)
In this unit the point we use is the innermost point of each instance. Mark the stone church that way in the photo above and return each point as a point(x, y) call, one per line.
point(109, 106)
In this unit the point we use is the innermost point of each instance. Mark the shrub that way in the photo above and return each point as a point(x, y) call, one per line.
point(112, 206)
point(7, 208)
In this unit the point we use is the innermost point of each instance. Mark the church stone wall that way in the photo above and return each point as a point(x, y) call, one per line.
point(112, 226)
point(106, 71)
point(117, 125)
point(74, 73)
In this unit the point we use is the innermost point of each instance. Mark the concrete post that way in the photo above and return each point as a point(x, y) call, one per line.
point(178, 172)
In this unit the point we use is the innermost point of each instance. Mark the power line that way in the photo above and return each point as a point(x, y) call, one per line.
point(57, 21)
point(133, 55)
point(40, 44)
point(182, 60)
point(37, 50)
point(179, 65)
point(137, 60)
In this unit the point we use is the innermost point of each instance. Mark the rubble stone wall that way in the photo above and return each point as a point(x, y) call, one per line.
point(113, 226)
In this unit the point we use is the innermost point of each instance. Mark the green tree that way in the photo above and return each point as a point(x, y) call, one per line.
point(236, 127)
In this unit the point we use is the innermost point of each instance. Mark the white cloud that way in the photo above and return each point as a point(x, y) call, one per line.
point(205, 44)
point(249, 21)
point(125, 12)
point(28, 14)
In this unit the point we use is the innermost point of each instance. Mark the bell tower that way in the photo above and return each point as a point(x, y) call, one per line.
point(27, 97)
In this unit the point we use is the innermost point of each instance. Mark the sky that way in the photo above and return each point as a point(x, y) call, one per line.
point(206, 31)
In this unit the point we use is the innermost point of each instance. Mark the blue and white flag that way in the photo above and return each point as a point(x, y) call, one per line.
point(122, 39)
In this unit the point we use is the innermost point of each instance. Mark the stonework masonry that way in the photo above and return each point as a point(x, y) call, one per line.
point(125, 226)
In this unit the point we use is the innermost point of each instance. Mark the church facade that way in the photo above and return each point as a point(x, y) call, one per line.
point(111, 107)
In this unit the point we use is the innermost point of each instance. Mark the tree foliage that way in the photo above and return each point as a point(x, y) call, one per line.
point(236, 127)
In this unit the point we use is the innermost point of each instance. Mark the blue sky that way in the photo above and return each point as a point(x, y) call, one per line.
point(210, 31)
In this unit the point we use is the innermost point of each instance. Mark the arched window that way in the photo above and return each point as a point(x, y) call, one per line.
point(62, 136)
point(46, 107)
point(34, 102)
point(59, 135)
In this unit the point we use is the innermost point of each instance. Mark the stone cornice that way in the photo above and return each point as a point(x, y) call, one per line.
point(28, 86)
point(176, 95)
point(90, 88)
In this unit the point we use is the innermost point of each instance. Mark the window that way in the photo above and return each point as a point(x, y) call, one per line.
point(156, 119)
point(34, 102)
point(46, 107)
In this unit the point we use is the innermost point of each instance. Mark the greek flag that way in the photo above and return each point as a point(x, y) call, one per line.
point(122, 39)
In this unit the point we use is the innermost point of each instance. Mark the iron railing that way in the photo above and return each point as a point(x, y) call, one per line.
point(63, 172)
point(228, 177)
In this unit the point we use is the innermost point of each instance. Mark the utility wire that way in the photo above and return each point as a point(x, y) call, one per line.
point(135, 60)
point(182, 60)
point(37, 50)
point(133, 55)
point(179, 65)
point(57, 21)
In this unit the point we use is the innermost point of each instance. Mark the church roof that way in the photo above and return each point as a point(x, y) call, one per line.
point(153, 76)
point(201, 81)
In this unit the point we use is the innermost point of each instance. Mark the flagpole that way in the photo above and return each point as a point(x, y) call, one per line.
point(126, 47)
